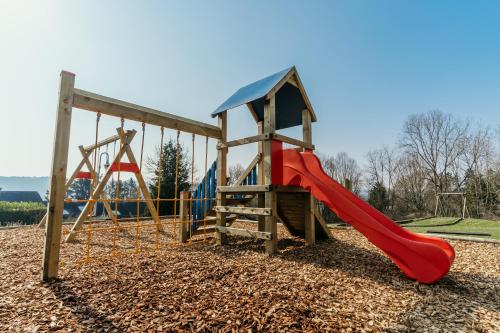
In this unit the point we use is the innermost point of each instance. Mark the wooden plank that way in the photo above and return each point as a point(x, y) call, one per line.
point(244, 141)
point(270, 198)
point(245, 233)
point(283, 188)
point(53, 229)
point(247, 171)
point(307, 127)
point(221, 176)
point(322, 221)
point(183, 225)
point(104, 142)
point(260, 176)
point(309, 220)
point(244, 188)
point(93, 102)
point(292, 141)
point(243, 210)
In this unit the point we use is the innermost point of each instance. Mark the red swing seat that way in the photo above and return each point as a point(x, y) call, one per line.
point(125, 167)
point(83, 175)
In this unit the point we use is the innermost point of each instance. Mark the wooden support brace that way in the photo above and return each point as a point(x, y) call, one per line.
point(183, 226)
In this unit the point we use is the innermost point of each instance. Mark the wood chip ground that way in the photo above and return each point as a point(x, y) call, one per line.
point(344, 284)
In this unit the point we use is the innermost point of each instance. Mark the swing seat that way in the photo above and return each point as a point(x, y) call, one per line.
point(125, 167)
point(83, 175)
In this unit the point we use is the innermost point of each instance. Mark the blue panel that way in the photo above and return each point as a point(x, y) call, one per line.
point(251, 92)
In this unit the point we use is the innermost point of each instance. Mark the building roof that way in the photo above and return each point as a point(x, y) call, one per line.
point(20, 196)
point(291, 98)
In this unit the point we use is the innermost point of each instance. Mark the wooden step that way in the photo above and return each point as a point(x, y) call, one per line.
point(245, 232)
point(243, 210)
point(244, 189)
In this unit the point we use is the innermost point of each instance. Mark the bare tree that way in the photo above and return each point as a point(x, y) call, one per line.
point(234, 172)
point(435, 139)
point(344, 169)
point(381, 169)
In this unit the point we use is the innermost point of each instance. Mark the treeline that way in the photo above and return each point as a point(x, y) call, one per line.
point(435, 153)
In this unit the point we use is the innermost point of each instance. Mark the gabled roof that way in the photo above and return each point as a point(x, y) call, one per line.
point(20, 196)
point(291, 98)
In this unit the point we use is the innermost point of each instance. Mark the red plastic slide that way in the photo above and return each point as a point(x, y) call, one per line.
point(425, 259)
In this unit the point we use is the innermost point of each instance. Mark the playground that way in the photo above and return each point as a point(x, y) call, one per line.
point(331, 286)
point(255, 254)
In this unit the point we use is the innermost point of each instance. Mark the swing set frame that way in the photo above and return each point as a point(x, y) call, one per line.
point(69, 98)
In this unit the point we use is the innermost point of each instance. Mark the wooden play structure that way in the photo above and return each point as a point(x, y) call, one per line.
point(280, 185)
point(282, 103)
point(440, 209)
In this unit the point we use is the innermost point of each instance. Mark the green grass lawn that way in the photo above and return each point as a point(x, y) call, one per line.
point(467, 225)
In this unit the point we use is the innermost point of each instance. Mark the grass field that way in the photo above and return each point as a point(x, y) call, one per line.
point(467, 225)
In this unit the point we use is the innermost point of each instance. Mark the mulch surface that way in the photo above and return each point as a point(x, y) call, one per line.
point(344, 284)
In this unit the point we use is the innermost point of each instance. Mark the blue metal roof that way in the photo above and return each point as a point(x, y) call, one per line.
point(251, 92)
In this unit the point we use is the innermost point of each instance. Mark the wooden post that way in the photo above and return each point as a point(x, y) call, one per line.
point(310, 219)
point(306, 127)
point(261, 197)
point(270, 196)
point(183, 226)
point(53, 229)
point(222, 178)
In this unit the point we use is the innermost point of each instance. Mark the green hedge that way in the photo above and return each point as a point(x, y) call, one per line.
point(21, 212)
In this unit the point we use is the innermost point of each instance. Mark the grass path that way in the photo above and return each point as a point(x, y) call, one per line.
point(466, 225)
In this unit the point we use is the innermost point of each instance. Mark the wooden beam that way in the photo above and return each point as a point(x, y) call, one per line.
point(183, 225)
point(245, 233)
point(310, 221)
point(104, 142)
point(93, 102)
point(322, 221)
point(307, 128)
point(244, 188)
point(292, 141)
point(260, 176)
point(270, 199)
point(53, 229)
point(243, 210)
point(280, 83)
point(244, 141)
point(249, 169)
point(252, 111)
point(221, 176)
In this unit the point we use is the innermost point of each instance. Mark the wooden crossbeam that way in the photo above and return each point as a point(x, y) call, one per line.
point(244, 210)
point(244, 188)
point(245, 232)
point(93, 102)
point(244, 141)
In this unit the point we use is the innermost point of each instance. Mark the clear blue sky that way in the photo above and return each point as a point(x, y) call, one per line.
point(366, 65)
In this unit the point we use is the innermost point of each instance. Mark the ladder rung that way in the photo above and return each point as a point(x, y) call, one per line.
point(244, 188)
point(243, 210)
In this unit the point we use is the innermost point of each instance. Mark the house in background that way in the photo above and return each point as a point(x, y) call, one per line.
point(20, 196)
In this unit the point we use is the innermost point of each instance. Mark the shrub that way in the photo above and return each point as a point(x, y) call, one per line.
point(21, 212)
